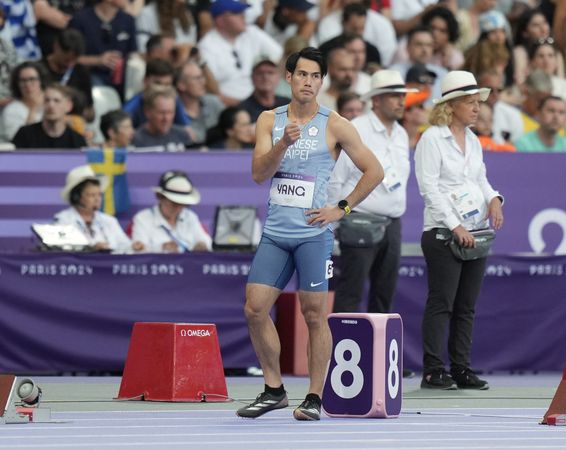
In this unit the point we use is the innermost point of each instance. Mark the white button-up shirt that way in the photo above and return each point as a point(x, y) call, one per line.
point(153, 230)
point(223, 58)
point(441, 169)
point(104, 228)
point(392, 151)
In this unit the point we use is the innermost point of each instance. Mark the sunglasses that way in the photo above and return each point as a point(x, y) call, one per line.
point(237, 58)
point(542, 41)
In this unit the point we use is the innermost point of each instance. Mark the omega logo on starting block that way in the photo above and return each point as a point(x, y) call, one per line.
point(190, 333)
point(365, 373)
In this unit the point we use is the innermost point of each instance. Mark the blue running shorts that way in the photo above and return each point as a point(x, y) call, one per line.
point(277, 258)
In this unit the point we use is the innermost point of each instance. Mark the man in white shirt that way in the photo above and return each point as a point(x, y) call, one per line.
point(231, 48)
point(420, 47)
point(376, 29)
point(169, 227)
point(381, 132)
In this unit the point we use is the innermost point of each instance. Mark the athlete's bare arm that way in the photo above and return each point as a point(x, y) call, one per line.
point(344, 135)
point(266, 156)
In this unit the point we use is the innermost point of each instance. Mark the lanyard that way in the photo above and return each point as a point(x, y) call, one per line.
point(178, 241)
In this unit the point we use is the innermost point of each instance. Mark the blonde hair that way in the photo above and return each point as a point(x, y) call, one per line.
point(440, 115)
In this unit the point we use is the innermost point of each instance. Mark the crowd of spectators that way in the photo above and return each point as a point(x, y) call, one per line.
point(197, 74)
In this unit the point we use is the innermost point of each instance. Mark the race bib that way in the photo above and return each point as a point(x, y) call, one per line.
point(465, 203)
point(292, 189)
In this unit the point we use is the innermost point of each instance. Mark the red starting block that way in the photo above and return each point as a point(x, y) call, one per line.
point(174, 362)
point(557, 408)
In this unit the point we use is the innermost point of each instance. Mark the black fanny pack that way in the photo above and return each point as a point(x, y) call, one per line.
point(362, 229)
point(484, 239)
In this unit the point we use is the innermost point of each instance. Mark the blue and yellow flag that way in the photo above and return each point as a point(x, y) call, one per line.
point(111, 162)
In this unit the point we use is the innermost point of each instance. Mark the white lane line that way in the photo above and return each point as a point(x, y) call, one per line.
point(331, 443)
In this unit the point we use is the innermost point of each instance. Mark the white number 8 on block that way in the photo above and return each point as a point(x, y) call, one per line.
point(351, 365)
point(393, 372)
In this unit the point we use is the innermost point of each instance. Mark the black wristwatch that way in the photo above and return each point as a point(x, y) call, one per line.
point(343, 205)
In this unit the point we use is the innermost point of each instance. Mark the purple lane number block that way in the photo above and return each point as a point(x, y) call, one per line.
point(364, 378)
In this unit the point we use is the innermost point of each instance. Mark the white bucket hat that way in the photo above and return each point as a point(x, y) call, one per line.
point(177, 187)
point(386, 82)
point(78, 175)
point(460, 83)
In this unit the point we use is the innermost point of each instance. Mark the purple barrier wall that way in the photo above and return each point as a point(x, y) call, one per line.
point(65, 312)
point(535, 209)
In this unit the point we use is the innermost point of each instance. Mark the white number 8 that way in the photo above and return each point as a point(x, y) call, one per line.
point(393, 372)
point(343, 365)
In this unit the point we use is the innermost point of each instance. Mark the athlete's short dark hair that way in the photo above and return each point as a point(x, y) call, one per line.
point(314, 54)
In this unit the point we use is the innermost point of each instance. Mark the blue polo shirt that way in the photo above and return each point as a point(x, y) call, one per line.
point(134, 107)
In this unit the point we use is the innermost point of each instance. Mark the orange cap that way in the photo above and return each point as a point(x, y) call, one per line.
point(416, 98)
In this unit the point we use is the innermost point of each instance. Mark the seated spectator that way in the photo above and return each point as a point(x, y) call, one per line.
point(27, 84)
point(110, 35)
point(62, 67)
point(234, 130)
point(544, 56)
point(483, 131)
point(469, 22)
point(356, 46)
point(265, 78)
point(349, 105)
point(531, 28)
point(117, 129)
point(341, 77)
point(355, 17)
point(53, 17)
point(9, 60)
point(492, 51)
point(159, 129)
point(415, 117)
point(170, 17)
point(506, 117)
point(158, 72)
point(445, 33)
point(53, 131)
point(20, 24)
point(231, 48)
point(420, 48)
point(294, 44)
point(419, 77)
point(202, 109)
point(83, 192)
point(170, 226)
point(289, 19)
point(552, 117)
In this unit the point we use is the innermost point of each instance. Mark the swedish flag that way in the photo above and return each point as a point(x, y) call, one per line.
point(111, 162)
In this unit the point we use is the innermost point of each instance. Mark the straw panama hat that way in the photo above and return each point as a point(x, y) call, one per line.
point(177, 187)
point(460, 83)
point(385, 82)
point(78, 175)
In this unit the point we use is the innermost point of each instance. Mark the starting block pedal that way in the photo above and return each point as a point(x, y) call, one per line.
point(557, 409)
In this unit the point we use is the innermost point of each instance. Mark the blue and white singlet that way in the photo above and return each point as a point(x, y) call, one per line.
point(301, 181)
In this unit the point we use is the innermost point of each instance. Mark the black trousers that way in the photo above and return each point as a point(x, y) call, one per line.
point(380, 263)
point(453, 288)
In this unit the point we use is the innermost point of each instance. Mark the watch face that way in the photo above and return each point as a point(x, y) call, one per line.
point(342, 204)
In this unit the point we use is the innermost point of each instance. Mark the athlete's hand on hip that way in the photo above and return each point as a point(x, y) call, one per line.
point(323, 216)
point(291, 134)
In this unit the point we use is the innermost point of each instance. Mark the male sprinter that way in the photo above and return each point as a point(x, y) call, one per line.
point(296, 147)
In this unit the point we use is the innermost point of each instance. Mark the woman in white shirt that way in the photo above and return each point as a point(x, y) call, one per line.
point(170, 226)
point(458, 199)
point(83, 191)
point(27, 84)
